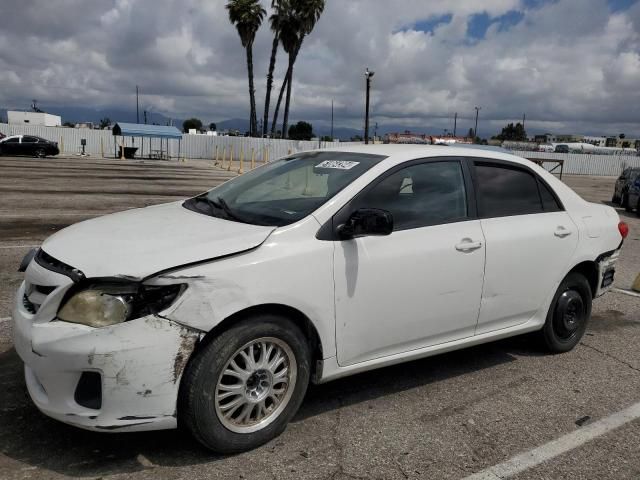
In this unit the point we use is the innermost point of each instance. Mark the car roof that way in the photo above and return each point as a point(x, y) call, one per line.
point(404, 152)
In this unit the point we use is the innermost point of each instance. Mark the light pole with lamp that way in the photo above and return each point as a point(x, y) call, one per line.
point(367, 76)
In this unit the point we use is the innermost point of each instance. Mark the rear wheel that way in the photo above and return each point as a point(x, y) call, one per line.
point(568, 315)
point(615, 199)
point(638, 207)
point(243, 388)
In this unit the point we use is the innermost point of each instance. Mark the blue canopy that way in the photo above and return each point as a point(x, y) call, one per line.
point(142, 130)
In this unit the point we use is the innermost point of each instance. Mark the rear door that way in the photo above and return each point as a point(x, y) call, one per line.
point(28, 145)
point(529, 242)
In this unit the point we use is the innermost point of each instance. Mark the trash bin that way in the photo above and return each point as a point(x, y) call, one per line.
point(129, 152)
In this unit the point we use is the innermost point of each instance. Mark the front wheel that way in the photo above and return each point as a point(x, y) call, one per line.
point(242, 389)
point(40, 153)
point(568, 314)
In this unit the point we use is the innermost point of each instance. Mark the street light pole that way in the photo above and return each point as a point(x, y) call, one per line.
point(455, 123)
point(367, 76)
point(332, 120)
point(475, 132)
point(137, 107)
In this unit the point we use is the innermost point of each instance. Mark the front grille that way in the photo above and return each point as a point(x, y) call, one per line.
point(28, 306)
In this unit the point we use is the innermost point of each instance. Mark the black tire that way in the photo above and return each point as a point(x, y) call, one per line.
point(615, 199)
point(568, 314)
point(625, 203)
point(638, 207)
point(40, 153)
point(198, 394)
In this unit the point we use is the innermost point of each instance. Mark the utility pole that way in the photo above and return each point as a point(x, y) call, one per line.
point(524, 117)
point(137, 107)
point(367, 76)
point(455, 123)
point(145, 117)
point(332, 120)
point(475, 132)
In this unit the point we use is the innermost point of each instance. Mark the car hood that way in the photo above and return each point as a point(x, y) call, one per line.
point(140, 242)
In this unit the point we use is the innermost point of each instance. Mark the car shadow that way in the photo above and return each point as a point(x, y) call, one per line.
point(31, 438)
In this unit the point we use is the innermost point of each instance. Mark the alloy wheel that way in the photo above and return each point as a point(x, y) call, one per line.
point(255, 385)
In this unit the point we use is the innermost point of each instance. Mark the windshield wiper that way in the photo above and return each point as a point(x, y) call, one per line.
point(225, 207)
point(220, 204)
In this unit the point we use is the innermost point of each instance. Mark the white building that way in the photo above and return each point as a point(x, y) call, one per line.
point(34, 118)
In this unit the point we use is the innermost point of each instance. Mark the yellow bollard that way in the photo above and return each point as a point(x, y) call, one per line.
point(224, 156)
point(101, 148)
point(265, 156)
point(289, 152)
point(122, 149)
point(241, 170)
point(230, 158)
point(61, 145)
point(215, 162)
point(636, 284)
point(253, 158)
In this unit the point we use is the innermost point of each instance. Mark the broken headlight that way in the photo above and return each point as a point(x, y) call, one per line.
point(101, 305)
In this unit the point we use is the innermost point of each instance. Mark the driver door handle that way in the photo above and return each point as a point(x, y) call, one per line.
point(468, 245)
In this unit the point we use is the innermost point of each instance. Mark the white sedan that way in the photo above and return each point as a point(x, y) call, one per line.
point(219, 310)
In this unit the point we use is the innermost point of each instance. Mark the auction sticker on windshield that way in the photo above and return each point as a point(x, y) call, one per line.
point(339, 164)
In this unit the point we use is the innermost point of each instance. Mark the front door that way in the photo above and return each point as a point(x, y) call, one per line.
point(422, 284)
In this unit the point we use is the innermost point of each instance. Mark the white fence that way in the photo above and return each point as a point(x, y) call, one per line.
point(103, 143)
point(581, 164)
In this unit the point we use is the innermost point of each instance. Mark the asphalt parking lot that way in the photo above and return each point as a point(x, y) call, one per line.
point(443, 417)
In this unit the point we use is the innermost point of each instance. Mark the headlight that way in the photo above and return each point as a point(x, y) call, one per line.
point(104, 305)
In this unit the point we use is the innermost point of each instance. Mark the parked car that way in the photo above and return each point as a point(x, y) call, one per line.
point(621, 189)
point(633, 196)
point(218, 311)
point(28, 145)
point(562, 149)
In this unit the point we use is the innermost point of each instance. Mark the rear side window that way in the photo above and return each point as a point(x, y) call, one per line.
point(549, 201)
point(27, 139)
point(504, 191)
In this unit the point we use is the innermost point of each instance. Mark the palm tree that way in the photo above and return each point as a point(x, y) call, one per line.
point(300, 20)
point(280, 7)
point(247, 16)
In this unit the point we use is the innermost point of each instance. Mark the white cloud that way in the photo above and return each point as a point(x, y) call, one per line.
point(569, 64)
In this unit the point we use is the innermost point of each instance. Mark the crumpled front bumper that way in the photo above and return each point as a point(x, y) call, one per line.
point(140, 363)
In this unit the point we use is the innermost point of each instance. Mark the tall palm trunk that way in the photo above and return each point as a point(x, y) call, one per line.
point(267, 97)
point(252, 91)
point(285, 82)
point(292, 60)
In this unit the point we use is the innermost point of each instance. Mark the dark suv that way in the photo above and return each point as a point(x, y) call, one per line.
point(621, 191)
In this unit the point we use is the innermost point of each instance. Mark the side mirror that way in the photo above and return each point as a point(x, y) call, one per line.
point(366, 222)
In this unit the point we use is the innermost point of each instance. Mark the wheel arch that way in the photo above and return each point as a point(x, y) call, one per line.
point(588, 269)
point(299, 318)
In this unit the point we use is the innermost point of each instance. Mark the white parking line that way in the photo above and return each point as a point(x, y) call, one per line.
point(550, 450)
point(626, 292)
point(6, 247)
point(4, 319)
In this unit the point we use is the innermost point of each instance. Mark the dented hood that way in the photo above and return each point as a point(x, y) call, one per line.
point(141, 242)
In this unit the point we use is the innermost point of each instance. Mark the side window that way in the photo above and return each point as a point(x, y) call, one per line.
point(13, 140)
point(549, 202)
point(27, 139)
point(504, 191)
point(424, 194)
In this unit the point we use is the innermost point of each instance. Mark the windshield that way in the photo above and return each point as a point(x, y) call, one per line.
point(284, 191)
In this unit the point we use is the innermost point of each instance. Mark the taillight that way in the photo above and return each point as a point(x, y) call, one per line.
point(623, 228)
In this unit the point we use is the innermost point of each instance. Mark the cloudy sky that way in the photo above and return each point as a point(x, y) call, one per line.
point(571, 65)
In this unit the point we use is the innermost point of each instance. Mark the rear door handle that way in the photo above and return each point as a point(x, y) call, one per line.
point(562, 232)
point(468, 245)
